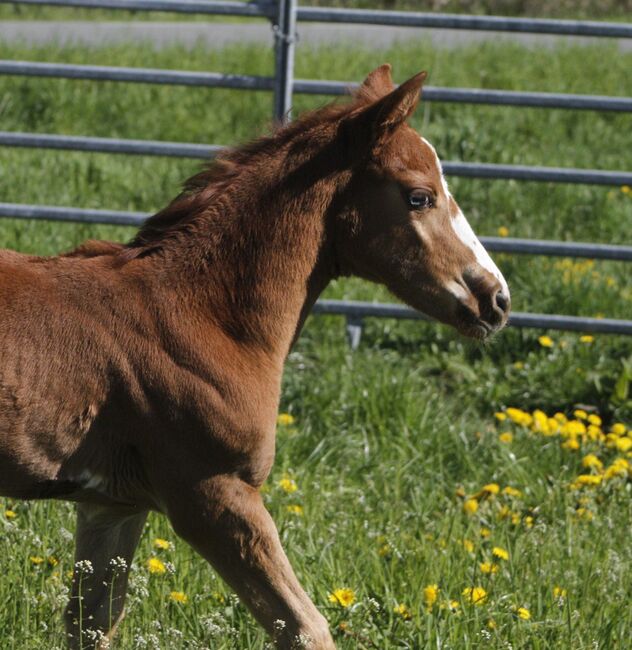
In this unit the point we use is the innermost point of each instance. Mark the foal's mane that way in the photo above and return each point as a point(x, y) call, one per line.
point(199, 191)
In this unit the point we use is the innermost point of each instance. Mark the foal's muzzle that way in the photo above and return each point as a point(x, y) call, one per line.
point(487, 306)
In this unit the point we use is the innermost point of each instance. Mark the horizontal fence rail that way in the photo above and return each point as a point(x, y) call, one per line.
point(260, 9)
point(306, 86)
point(136, 75)
point(355, 311)
point(74, 215)
point(484, 96)
point(470, 23)
point(361, 16)
point(109, 145)
point(188, 150)
point(494, 244)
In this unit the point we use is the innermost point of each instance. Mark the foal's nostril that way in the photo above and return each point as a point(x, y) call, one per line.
point(502, 302)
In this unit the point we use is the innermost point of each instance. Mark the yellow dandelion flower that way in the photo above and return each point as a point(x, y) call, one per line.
point(500, 553)
point(500, 416)
point(589, 479)
point(343, 597)
point(512, 492)
point(295, 509)
point(162, 544)
point(545, 341)
point(618, 428)
point(580, 414)
point(584, 513)
point(52, 560)
point(594, 419)
point(385, 550)
point(540, 422)
point(218, 597)
point(504, 512)
point(485, 532)
point(431, 593)
point(518, 365)
point(519, 416)
point(590, 461)
point(559, 592)
point(470, 506)
point(36, 560)
point(560, 417)
point(515, 518)
point(528, 521)
point(285, 419)
point(179, 597)
point(571, 444)
point(156, 566)
point(468, 545)
point(491, 624)
point(491, 488)
point(523, 613)
point(586, 338)
point(626, 189)
point(402, 610)
point(503, 231)
point(623, 444)
point(475, 595)
point(574, 428)
point(288, 484)
point(10, 514)
point(488, 567)
point(506, 437)
point(620, 467)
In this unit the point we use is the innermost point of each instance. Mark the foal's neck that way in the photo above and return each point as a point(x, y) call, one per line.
point(260, 251)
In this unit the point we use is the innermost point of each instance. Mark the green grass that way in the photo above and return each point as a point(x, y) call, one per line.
point(384, 437)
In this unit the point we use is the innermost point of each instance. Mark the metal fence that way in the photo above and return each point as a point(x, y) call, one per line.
point(284, 15)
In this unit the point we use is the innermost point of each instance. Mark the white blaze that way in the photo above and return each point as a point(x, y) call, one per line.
point(465, 233)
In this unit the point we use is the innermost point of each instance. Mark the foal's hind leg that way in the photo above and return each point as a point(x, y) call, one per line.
point(106, 539)
point(225, 520)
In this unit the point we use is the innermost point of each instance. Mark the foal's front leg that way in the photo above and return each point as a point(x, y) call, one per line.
point(225, 520)
point(106, 539)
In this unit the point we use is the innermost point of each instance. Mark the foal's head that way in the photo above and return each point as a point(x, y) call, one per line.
point(402, 227)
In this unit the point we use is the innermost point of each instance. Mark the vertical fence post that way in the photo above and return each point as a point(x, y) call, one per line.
point(354, 331)
point(284, 41)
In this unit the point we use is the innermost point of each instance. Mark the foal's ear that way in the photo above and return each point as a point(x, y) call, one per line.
point(386, 114)
point(377, 84)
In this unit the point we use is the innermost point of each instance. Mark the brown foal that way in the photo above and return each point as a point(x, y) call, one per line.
point(147, 376)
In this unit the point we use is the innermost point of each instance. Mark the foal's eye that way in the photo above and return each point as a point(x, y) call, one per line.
point(419, 200)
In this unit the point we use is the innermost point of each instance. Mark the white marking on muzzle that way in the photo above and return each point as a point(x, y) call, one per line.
point(465, 233)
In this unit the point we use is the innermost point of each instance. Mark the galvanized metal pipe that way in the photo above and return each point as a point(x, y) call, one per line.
point(136, 75)
point(185, 150)
point(358, 310)
point(75, 215)
point(483, 96)
point(308, 87)
point(109, 145)
point(535, 173)
point(456, 21)
point(284, 45)
point(259, 8)
point(263, 8)
point(497, 244)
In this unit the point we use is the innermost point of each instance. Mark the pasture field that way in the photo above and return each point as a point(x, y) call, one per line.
point(425, 490)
